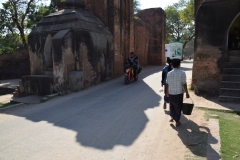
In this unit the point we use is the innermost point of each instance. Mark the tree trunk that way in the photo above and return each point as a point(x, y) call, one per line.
point(23, 38)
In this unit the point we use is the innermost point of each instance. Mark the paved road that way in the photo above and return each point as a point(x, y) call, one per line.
point(110, 121)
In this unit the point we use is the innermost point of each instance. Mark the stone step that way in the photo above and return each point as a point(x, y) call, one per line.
point(230, 77)
point(36, 85)
point(232, 65)
point(233, 58)
point(234, 71)
point(233, 53)
point(230, 84)
point(230, 92)
point(233, 99)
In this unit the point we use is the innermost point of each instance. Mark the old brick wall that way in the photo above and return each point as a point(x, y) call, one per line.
point(14, 65)
point(197, 4)
point(99, 8)
point(156, 18)
point(141, 37)
point(117, 15)
point(213, 21)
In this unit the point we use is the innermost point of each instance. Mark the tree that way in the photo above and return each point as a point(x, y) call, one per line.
point(19, 16)
point(9, 42)
point(180, 22)
point(136, 6)
point(16, 11)
point(42, 11)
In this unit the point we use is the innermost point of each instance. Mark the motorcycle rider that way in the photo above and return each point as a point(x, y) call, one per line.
point(133, 61)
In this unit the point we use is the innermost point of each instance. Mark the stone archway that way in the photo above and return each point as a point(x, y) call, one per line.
point(234, 34)
point(230, 85)
point(47, 54)
point(233, 54)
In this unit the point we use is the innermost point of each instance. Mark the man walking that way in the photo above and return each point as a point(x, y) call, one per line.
point(165, 71)
point(175, 85)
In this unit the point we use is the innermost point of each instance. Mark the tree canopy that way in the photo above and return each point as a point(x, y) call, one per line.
point(180, 21)
point(136, 6)
point(17, 17)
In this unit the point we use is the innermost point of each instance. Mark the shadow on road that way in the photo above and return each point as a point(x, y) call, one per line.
point(195, 137)
point(103, 116)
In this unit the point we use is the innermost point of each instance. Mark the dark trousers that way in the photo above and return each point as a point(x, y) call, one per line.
point(135, 70)
point(176, 102)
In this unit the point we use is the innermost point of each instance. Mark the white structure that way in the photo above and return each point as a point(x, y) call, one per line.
point(167, 50)
point(175, 49)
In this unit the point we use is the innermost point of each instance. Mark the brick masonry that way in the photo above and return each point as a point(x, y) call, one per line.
point(156, 19)
point(117, 15)
point(213, 21)
point(197, 4)
point(142, 34)
point(14, 65)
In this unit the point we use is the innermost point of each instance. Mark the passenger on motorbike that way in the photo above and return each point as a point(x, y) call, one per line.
point(133, 60)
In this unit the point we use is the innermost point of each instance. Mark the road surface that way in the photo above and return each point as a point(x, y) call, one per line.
point(109, 121)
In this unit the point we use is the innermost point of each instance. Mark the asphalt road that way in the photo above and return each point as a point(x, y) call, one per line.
point(110, 121)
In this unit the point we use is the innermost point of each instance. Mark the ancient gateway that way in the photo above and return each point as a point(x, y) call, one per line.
point(216, 65)
point(87, 42)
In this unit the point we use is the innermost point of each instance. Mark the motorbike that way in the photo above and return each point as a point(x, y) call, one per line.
point(129, 73)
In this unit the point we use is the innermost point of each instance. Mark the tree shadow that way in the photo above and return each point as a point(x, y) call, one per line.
point(103, 116)
point(196, 138)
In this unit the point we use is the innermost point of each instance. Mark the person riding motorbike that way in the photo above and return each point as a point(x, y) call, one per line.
point(133, 61)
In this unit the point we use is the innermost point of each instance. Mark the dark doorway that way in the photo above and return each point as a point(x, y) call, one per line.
point(48, 60)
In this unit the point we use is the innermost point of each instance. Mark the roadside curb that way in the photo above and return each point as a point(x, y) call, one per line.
point(46, 98)
point(218, 109)
point(214, 143)
point(10, 106)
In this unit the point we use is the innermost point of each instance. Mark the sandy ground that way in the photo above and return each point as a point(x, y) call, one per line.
point(191, 140)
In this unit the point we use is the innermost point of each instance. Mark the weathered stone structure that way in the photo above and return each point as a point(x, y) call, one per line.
point(88, 41)
point(149, 32)
point(197, 4)
point(117, 15)
point(141, 40)
point(72, 47)
point(217, 45)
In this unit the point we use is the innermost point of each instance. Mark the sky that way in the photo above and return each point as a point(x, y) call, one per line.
point(156, 3)
point(144, 3)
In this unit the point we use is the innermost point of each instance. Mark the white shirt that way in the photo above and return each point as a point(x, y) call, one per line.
point(175, 80)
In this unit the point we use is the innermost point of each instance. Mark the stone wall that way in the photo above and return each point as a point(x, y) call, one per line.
point(197, 4)
point(117, 15)
point(73, 46)
point(14, 65)
point(213, 21)
point(142, 34)
point(156, 18)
